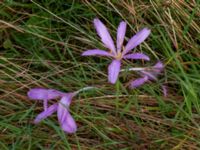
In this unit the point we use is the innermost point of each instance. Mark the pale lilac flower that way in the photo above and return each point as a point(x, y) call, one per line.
point(65, 119)
point(119, 52)
point(147, 75)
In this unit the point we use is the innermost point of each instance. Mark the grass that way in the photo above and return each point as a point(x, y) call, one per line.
point(40, 46)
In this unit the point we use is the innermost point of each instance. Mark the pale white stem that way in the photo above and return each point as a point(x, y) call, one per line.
point(85, 89)
point(133, 69)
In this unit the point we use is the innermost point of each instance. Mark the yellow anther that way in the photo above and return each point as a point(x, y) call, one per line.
point(119, 56)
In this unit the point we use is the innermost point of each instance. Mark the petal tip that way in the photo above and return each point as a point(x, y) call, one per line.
point(36, 93)
point(83, 54)
point(123, 23)
point(147, 29)
point(29, 94)
point(112, 81)
point(138, 82)
point(96, 19)
point(69, 130)
point(36, 121)
point(147, 58)
point(159, 65)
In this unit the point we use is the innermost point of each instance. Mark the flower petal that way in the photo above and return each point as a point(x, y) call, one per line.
point(69, 125)
point(137, 56)
point(63, 106)
point(158, 66)
point(136, 40)
point(138, 82)
point(97, 52)
point(37, 93)
point(121, 31)
point(43, 94)
point(154, 71)
point(113, 71)
point(45, 114)
point(150, 74)
point(52, 94)
point(104, 35)
point(65, 119)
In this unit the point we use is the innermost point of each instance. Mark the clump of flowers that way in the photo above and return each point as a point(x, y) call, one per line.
point(65, 119)
point(119, 52)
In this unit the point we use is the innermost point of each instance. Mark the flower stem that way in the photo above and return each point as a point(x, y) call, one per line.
point(133, 69)
point(85, 89)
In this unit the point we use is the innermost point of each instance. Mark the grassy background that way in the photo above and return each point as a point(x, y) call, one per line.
point(40, 46)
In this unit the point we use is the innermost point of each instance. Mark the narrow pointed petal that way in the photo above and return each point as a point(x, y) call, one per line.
point(121, 31)
point(62, 107)
point(69, 125)
point(37, 93)
point(152, 75)
point(96, 52)
point(113, 71)
point(138, 82)
point(43, 94)
point(65, 119)
point(136, 40)
point(159, 66)
point(104, 35)
point(156, 70)
point(137, 56)
point(46, 113)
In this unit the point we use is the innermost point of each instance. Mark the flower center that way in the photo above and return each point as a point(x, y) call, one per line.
point(118, 56)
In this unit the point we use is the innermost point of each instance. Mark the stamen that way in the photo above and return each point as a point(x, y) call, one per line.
point(118, 56)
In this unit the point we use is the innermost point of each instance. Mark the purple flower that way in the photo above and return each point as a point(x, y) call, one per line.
point(150, 74)
point(65, 119)
point(119, 52)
